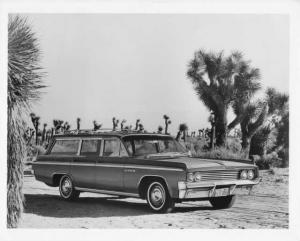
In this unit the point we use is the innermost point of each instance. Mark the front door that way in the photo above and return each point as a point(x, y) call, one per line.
point(109, 167)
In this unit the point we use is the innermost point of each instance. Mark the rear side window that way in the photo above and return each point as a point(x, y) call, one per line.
point(90, 147)
point(65, 147)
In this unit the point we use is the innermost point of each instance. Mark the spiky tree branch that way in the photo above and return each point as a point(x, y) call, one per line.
point(24, 86)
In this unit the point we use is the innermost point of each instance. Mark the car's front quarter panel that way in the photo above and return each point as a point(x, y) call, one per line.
point(135, 174)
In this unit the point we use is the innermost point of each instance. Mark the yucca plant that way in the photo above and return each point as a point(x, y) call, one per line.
point(78, 120)
point(122, 124)
point(115, 123)
point(24, 85)
point(167, 123)
point(183, 128)
point(96, 126)
point(160, 129)
point(137, 124)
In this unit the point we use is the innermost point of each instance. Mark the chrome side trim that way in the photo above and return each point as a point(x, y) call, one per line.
point(107, 192)
point(51, 163)
point(109, 165)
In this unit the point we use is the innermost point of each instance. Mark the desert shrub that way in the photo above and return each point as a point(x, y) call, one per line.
point(284, 156)
point(269, 161)
point(234, 144)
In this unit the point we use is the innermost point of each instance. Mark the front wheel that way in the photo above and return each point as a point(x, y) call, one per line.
point(222, 202)
point(66, 189)
point(159, 198)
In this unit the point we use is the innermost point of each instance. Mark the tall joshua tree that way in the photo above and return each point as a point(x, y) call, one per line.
point(167, 123)
point(217, 81)
point(24, 84)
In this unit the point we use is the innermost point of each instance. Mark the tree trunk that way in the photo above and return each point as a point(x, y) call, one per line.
point(178, 136)
point(246, 144)
point(16, 154)
point(221, 128)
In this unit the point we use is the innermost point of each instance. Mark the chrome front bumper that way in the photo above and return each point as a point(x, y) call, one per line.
point(210, 189)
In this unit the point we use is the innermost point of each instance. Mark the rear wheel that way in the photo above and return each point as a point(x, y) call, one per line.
point(66, 188)
point(222, 202)
point(159, 198)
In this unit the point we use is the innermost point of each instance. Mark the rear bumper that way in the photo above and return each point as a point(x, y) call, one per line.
point(210, 189)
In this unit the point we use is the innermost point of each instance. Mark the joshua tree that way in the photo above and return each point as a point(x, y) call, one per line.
point(278, 109)
point(44, 133)
point(141, 128)
point(182, 132)
point(96, 126)
point(160, 129)
point(66, 126)
point(24, 84)
point(115, 123)
point(218, 80)
point(78, 123)
point(58, 125)
point(250, 124)
point(167, 123)
point(122, 124)
point(36, 122)
point(137, 124)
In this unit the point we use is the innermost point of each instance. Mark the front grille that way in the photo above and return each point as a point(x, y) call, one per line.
point(219, 175)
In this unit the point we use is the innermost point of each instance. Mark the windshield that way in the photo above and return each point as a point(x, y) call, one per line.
point(147, 145)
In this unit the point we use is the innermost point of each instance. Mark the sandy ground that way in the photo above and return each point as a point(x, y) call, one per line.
point(267, 207)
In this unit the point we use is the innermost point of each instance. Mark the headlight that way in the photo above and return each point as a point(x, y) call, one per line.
point(244, 174)
point(197, 177)
point(190, 177)
point(250, 174)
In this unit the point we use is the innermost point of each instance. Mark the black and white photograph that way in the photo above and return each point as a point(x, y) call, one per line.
point(141, 120)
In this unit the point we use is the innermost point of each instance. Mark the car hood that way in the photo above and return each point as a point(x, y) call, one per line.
point(200, 163)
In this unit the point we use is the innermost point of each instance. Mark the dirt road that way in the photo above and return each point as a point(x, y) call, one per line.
point(267, 207)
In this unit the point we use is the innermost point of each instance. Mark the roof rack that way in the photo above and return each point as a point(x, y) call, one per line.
point(91, 131)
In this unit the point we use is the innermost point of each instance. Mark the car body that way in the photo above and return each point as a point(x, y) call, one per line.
point(150, 166)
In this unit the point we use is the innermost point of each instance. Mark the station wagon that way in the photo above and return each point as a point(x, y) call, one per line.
point(154, 167)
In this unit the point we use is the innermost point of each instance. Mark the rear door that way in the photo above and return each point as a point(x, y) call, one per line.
point(109, 168)
point(83, 167)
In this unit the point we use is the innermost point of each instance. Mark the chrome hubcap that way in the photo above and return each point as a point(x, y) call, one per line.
point(66, 186)
point(157, 196)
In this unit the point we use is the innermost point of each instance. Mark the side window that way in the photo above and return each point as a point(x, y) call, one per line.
point(65, 147)
point(114, 148)
point(111, 148)
point(90, 147)
point(123, 152)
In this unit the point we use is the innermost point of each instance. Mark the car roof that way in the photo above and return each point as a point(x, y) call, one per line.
point(106, 133)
